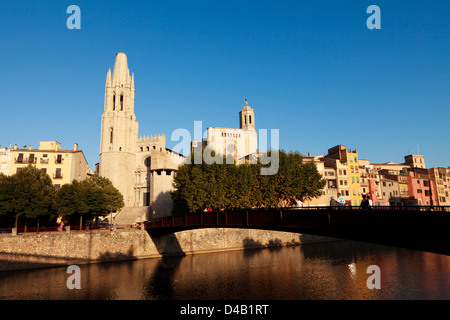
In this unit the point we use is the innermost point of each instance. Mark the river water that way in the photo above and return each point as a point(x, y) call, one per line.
point(319, 271)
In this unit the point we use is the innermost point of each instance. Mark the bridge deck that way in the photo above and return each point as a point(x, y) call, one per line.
point(415, 227)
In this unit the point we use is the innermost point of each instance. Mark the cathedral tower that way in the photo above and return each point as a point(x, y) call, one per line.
point(247, 118)
point(119, 132)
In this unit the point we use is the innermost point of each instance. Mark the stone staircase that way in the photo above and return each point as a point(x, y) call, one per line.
point(130, 215)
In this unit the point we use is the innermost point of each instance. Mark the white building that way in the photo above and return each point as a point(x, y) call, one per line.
point(239, 143)
point(5, 160)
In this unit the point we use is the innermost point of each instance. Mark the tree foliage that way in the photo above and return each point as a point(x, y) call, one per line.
point(92, 197)
point(224, 186)
point(29, 193)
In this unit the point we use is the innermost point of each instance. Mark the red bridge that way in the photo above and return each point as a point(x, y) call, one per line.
point(420, 228)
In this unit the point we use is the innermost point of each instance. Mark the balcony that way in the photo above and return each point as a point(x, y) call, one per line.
point(44, 160)
point(57, 176)
point(29, 160)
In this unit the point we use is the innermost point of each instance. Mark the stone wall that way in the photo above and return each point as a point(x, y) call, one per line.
point(26, 251)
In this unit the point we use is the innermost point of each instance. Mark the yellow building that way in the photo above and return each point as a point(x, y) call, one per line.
point(350, 160)
point(63, 166)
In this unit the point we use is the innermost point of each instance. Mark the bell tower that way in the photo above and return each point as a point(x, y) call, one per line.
point(119, 132)
point(247, 118)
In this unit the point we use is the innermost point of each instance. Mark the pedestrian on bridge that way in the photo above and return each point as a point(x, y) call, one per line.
point(341, 201)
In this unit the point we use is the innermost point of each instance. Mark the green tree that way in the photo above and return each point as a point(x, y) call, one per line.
point(90, 198)
point(29, 193)
point(217, 186)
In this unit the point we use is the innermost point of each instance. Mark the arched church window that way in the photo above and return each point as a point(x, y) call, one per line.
point(250, 119)
point(148, 161)
point(245, 119)
point(121, 102)
point(111, 136)
point(114, 101)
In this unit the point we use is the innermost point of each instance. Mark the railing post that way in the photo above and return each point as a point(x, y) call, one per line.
point(281, 217)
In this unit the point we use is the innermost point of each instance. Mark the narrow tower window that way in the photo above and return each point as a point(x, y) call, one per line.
point(111, 136)
point(114, 101)
point(121, 102)
point(245, 119)
point(250, 119)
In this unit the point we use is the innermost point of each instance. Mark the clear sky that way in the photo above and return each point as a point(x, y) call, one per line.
point(311, 69)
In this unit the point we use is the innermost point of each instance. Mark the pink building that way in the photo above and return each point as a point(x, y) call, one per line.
point(420, 188)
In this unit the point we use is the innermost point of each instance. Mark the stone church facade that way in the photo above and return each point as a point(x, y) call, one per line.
point(142, 168)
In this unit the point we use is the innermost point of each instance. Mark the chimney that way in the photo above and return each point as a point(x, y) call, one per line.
point(75, 147)
point(30, 148)
point(309, 154)
point(15, 146)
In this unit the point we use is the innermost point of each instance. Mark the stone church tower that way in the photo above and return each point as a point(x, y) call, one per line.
point(119, 129)
point(140, 167)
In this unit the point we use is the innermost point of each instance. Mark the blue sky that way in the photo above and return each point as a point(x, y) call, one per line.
point(311, 69)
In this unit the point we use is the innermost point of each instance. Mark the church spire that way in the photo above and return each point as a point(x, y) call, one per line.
point(108, 78)
point(121, 72)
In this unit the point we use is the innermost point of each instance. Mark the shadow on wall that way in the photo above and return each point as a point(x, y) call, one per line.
point(21, 261)
point(161, 207)
point(167, 245)
point(249, 243)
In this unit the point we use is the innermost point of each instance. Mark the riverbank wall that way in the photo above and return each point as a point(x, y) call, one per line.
point(43, 250)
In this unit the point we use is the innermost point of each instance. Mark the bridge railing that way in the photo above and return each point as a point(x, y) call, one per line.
point(30, 230)
point(278, 216)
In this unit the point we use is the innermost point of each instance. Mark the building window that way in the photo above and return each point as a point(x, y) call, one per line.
point(59, 158)
point(20, 158)
point(57, 186)
point(58, 174)
point(250, 119)
point(114, 101)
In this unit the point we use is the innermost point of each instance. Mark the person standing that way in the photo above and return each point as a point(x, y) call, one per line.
point(341, 201)
point(364, 203)
point(370, 202)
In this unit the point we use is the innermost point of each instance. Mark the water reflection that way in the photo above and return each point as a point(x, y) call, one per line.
point(332, 270)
